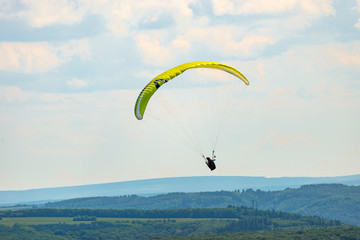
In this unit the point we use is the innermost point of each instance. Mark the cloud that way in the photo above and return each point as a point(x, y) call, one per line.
point(292, 139)
point(250, 44)
point(121, 17)
point(311, 7)
point(153, 52)
point(8, 8)
point(27, 57)
point(283, 91)
point(223, 39)
point(357, 8)
point(44, 13)
point(181, 44)
point(67, 124)
point(322, 90)
point(76, 83)
point(52, 98)
point(280, 139)
point(357, 25)
point(65, 177)
point(348, 56)
point(223, 7)
point(80, 48)
point(317, 8)
point(316, 67)
point(332, 55)
point(54, 128)
point(39, 56)
point(280, 20)
point(127, 16)
point(356, 152)
point(13, 94)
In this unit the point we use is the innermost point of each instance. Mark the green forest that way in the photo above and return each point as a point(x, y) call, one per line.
point(318, 234)
point(230, 212)
point(330, 201)
point(146, 224)
point(325, 211)
point(138, 230)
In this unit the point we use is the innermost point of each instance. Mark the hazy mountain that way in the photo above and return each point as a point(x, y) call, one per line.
point(166, 185)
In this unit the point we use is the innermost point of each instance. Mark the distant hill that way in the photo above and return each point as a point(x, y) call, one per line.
point(331, 201)
point(166, 185)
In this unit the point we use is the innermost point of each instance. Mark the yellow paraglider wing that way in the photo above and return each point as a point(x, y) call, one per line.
point(164, 77)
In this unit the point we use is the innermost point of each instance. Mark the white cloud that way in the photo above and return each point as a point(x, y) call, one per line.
point(283, 91)
point(121, 16)
point(249, 44)
point(294, 138)
point(66, 177)
point(357, 25)
point(317, 8)
point(221, 7)
point(13, 94)
point(117, 15)
point(52, 98)
point(340, 54)
point(53, 121)
point(311, 7)
point(223, 39)
point(43, 13)
point(7, 7)
point(39, 56)
point(181, 44)
point(320, 63)
point(277, 138)
point(27, 57)
point(154, 53)
point(80, 48)
point(76, 83)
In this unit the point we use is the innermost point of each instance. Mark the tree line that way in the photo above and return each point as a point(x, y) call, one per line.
point(230, 212)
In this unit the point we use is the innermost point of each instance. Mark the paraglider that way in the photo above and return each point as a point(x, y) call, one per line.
point(210, 162)
point(163, 78)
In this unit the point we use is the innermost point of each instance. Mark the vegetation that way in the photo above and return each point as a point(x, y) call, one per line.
point(146, 224)
point(318, 234)
point(84, 218)
point(164, 223)
point(331, 201)
point(159, 229)
point(231, 212)
point(229, 222)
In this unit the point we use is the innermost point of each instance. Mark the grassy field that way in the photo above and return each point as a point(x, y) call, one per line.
point(69, 220)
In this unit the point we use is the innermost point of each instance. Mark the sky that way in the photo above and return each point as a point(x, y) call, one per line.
point(70, 73)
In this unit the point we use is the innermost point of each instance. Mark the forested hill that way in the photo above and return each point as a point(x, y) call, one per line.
point(331, 201)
